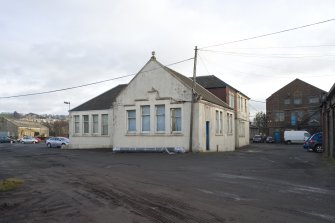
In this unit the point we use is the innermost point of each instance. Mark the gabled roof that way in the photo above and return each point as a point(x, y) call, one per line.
point(296, 82)
point(212, 81)
point(201, 91)
point(103, 101)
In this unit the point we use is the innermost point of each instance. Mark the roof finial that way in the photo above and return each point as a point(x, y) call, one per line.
point(153, 55)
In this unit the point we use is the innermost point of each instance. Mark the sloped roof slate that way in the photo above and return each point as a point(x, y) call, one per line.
point(211, 81)
point(103, 101)
point(201, 91)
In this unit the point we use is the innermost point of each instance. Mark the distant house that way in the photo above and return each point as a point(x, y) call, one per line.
point(295, 106)
point(153, 111)
point(236, 100)
point(253, 130)
point(328, 122)
point(18, 128)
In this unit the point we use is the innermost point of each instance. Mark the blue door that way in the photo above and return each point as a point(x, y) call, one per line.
point(276, 136)
point(207, 136)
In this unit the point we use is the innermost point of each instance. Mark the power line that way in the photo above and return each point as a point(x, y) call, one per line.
point(267, 55)
point(93, 83)
point(203, 62)
point(257, 101)
point(268, 34)
point(278, 47)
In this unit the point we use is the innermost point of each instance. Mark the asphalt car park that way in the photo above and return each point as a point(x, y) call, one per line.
point(259, 183)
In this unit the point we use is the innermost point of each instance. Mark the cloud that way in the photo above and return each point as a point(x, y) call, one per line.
point(51, 45)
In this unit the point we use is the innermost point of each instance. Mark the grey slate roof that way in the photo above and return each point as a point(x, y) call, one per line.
point(103, 101)
point(201, 91)
point(212, 81)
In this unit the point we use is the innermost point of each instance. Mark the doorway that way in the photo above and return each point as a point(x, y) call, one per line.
point(207, 136)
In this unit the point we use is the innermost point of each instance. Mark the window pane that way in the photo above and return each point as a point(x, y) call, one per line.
point(221, 122)
point(145, 118)
point(217, 122)
point(131, 120)
point(160, 116)
point(297, 101)
point(95, 123)
point(104, 124)
point(176, 119)
point(76, 124)
point(314, 100)
point(86, 123)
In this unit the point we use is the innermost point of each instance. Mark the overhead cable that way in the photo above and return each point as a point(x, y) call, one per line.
point(268, 34)
point(93, 83)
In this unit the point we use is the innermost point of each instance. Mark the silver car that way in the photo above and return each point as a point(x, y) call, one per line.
point(28, 139)
point(57, 142)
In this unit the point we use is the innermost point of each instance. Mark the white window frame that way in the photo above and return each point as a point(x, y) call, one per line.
point(131, 118)
point(231, 100)
point(160, 116)
point(95, 124)
point(174, 119)
point(229, 124)
point(104, 125)
point(86, 124)
point(219, 122)
point(145, 116)
point(76, 126)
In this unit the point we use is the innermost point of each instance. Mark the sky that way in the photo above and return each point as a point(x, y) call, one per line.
point(49, 45)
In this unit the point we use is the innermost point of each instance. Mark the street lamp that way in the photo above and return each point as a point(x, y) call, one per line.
point(68, 103)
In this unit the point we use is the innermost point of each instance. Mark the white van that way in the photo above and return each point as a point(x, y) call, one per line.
point(295, 136)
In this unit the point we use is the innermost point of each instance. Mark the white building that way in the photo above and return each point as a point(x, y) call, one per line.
point(235, 99)
point(153, 111)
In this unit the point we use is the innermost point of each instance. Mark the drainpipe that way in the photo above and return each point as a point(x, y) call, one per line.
point(193, 97)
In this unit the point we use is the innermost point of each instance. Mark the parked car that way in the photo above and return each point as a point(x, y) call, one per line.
point(269, 139)
point(38, 139)
point(57, 142)
point(5, 139)
point(28, 139)
point(306, 143)
point(257, 138)
point(315, 142)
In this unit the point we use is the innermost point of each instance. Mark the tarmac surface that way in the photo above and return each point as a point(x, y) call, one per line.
point(258, 183)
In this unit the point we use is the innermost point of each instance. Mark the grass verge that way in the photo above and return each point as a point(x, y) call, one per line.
point(10, 184)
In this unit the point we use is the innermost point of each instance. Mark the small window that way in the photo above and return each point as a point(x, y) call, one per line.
point(145, 118)
point(131, 120)
point(279, 116)
point(95, 123)
point(219, 124)
point(229, 123)
point(176, 119)
point(231, 100)
point(287, 101)
point(297, 101)
point(314, 100)
point(104, 124)
point(86, 124)
point(76, 124)
point(160, 118)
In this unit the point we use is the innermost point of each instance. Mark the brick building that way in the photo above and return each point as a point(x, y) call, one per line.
point(296, 106)
point(328, 122)
point(236, 100)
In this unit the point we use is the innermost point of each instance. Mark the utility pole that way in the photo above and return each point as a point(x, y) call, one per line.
point(193, 96)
